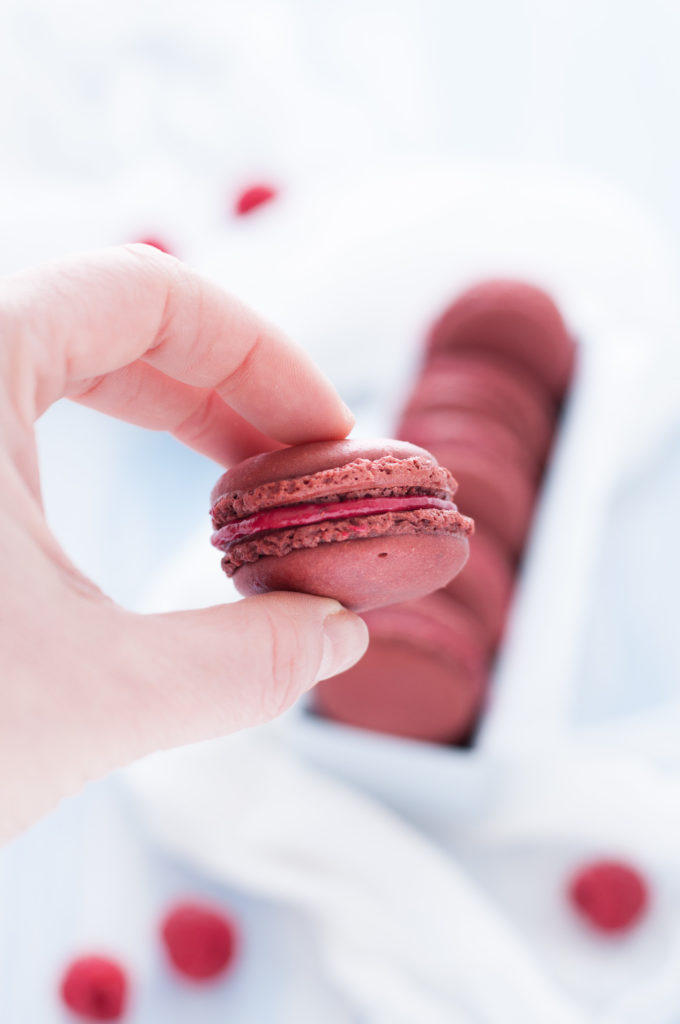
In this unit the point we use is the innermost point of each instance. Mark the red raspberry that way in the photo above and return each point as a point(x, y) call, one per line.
point(95, 988)
point(612, 896)
point(157, 244)
point(200, 941)
point(252, 197)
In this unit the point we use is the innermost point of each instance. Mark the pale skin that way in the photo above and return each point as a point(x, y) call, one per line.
point(85, 685)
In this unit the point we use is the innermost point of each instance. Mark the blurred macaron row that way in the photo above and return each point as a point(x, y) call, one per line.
point(486, 402)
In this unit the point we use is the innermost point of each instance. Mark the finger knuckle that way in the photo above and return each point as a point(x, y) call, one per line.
point(284, 663)
point(194, 427)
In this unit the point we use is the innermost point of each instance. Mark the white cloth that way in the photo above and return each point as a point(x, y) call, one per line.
point(403, 933)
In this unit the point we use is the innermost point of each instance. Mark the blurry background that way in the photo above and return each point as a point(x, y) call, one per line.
point(93, 92)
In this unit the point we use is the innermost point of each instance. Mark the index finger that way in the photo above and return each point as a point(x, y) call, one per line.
point(78, 320)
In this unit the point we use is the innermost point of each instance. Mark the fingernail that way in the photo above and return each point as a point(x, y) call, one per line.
point(345, 639)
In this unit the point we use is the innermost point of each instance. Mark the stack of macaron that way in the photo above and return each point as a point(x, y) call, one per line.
point(486, 403)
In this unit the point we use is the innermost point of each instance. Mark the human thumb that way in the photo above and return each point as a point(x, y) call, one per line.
point(198, 674)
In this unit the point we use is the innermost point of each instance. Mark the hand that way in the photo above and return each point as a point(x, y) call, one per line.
point(86, 686)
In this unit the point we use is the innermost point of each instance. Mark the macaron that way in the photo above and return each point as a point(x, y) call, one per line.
point(497, 477)
point(367, 522)
point(515, 320)
point(485, 584)
point(482, 382)
point(423, 677)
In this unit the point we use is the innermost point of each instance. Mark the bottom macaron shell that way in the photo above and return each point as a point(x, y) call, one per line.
point(404, 690)
point(361, 574)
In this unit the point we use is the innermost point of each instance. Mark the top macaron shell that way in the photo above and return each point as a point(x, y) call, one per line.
point(514, 319)
point(303, 460)
point(363, 562)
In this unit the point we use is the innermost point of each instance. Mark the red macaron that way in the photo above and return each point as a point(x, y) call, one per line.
point(368, 523)
point(423, 677)
point(516, 321)
point(486, 384)
point(485, 584)
point(497, 477)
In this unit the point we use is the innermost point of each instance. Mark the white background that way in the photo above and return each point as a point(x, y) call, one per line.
point(95, 90)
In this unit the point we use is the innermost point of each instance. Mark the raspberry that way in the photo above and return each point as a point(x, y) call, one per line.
point(610, 895)
point(157, 244)
point(95, 988)
point(252, 197)
point(200, 941)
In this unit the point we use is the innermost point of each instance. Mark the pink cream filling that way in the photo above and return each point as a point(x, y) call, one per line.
point(303, 515)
